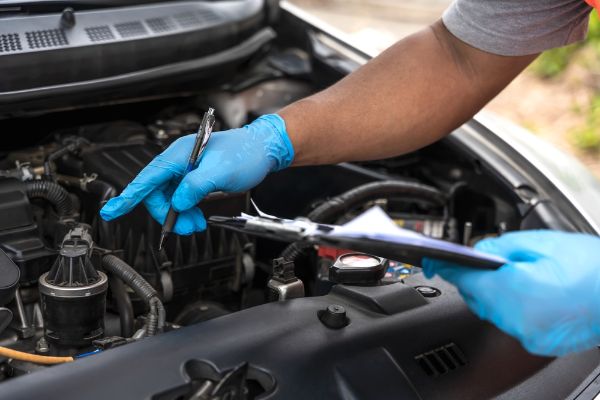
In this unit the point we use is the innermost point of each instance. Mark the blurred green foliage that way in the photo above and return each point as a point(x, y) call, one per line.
point(594, 29)
point(587, 138)
point(551, 63)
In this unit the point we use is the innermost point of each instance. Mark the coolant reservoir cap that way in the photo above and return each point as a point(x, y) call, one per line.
point(9, 278)
point(358, 268)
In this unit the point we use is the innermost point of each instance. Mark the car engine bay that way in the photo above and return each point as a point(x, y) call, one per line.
point(87, 285)
point(52, 194)
point(222, 314)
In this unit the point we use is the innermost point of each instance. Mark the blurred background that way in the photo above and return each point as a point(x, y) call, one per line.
point(557, 98)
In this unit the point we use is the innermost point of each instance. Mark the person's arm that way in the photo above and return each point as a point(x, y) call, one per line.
point(411, 95)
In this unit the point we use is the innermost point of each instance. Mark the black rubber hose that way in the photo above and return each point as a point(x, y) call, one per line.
point(156, 317)
point(124, 306)
point(105, 191)
point(74, 144)
point(295, 250)
point(53, 193)
point(152, 320)
point(160, 313)
point(129, 276)
point(337, 206)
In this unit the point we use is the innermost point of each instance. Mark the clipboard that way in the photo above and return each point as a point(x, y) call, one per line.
point(391, 242)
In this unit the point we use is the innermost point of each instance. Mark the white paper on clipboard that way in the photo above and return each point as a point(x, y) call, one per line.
point(376, 224)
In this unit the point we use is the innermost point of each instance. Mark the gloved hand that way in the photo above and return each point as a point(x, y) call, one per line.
point(547, 295)
point(234, 161)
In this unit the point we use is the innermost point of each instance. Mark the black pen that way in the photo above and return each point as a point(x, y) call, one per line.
point(204, 132)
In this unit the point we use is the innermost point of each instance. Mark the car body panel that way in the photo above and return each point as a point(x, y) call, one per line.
point(569, 176)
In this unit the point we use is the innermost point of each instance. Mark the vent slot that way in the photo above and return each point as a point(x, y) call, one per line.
point(99, 33)
point(10, 42)
point(442, 360)
point(46, 38)
point(160, 25)
point(130, 29)
point(207, 15)
point(187, 20)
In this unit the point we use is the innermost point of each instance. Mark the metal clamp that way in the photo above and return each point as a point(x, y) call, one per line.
point(83, 182)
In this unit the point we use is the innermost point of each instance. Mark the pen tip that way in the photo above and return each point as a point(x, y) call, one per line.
point(161, 242)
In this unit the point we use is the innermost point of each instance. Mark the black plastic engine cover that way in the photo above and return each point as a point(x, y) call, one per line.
point(205, 261)
point(19, 234)
point(9, 278)
point(377, 356)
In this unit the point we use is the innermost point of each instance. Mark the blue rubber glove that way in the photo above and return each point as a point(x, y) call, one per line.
point(547, 296)
point(234, 161)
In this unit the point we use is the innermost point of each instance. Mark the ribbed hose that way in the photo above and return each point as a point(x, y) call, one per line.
point(295, 250)
point(122, 270)
point(161, 314)
point(53, 193)
point(337, 206)
point(152, 320)
point(129, 276)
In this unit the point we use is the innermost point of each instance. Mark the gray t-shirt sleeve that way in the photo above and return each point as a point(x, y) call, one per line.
point(517, 27)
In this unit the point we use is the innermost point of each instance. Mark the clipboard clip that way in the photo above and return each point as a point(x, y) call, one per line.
point(286, 229)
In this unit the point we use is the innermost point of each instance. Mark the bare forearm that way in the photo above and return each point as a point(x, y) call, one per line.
point(410, 96)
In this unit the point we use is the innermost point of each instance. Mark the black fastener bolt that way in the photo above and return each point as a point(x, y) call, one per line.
point(334, 317)
point(428, 291)
point(67, 18)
